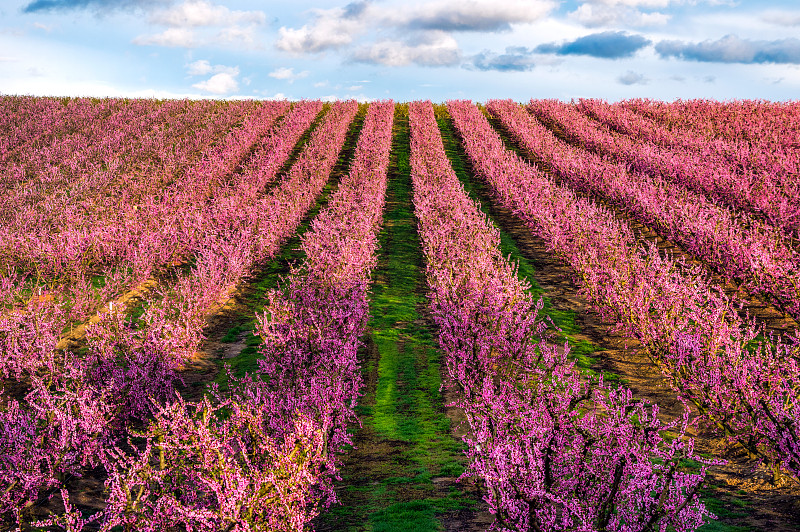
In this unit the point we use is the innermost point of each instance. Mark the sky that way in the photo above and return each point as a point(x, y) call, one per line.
point(402, 49)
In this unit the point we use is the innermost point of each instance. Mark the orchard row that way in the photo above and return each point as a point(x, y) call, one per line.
point(126, 224)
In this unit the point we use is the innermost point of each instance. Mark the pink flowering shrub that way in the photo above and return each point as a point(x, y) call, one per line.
point(216, 465)
point(557, 450)
point(28, 332)
point(765, 194)
point(740, 248)
point(754, 160)
point(314, 322)
point(747, 388)
point(137, 369)
point(76, 409)
point(770, 126)
point(60, 428)
point(311, 340)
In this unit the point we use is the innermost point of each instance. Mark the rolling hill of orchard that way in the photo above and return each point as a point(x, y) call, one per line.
point(544, 316)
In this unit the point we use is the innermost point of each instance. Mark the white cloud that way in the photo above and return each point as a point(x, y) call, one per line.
point(733, 49)
point(202, 67)
point(515, 59)
point(434, 49)
point(337, 28)
point(200, 22)
point(194, 13)
point(651, 19)
point(782, 18)
point(648, 4)
point(288, 74)
point(171, 37)
point(630, 13)
point(234, 35)
point(473, 15)
point(332, 28)
point(632, 78)
point(616, 14)
point(222, 83)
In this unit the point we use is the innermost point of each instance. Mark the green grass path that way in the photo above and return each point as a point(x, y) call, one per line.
point(402, 475)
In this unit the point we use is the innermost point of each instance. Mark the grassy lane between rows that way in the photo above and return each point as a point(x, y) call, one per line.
point(401, 476)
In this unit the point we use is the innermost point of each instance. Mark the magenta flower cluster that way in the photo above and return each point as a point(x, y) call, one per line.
point(688, 326)
point(557, 450)
point(744, 153)
point(82, 413)
point(740, 248)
